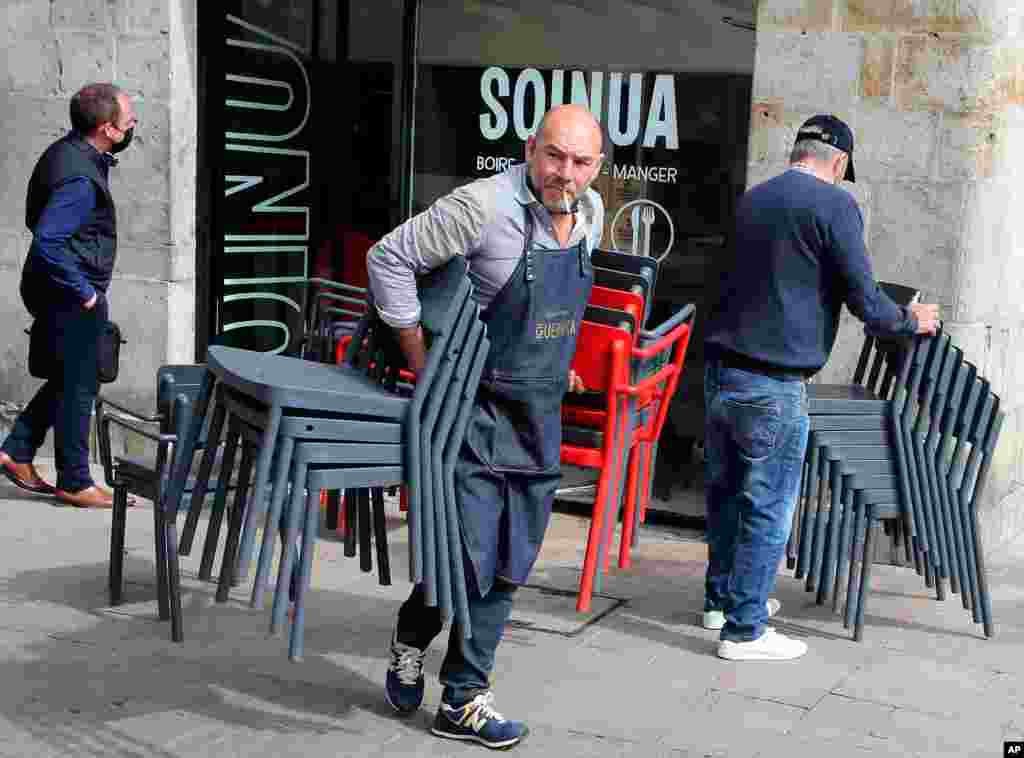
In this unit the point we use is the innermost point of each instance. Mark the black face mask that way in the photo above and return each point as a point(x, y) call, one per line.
point(119, 146)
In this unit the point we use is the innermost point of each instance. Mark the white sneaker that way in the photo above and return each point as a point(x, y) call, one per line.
point(716, 619)
point(770, 646)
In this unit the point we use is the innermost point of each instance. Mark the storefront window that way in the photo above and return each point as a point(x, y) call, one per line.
point(297, 157)
point(670, 83)
point(314, 143)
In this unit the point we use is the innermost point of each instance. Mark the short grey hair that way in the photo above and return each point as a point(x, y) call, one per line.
point(815, 150)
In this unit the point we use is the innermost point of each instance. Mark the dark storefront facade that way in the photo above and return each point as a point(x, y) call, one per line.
point(324, 124)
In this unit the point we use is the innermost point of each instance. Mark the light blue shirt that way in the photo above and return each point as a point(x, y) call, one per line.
point(483, 220)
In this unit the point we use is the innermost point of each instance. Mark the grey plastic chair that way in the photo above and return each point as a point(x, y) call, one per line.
point(640, 265)
point(317, 465)
point(955, 425)
point(279, 382)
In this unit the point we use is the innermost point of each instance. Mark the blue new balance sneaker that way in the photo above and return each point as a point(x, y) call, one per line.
point(404, 684)
point(477, 721)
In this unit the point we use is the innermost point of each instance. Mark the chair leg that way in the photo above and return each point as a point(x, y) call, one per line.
point(794, 529)
point(227, 564)
point(243, 502)
point(630, 513)
point(174, 578)
point(646, 486)
point(851, 586)
point(286, 563)
point(817, 538)
point(590, 560)
point(865, 576)
point(275, 520)
point(351, 521)
point(213, 524)
point(843, 556)
point(380, 538)
point(117, 530)
point(309, 532)
point(812, 481)
point(365, 527)
point(333, 509)
point(160, 551)
point(203, 475)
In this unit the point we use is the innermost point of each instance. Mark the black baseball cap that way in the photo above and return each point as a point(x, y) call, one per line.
point(831, 131)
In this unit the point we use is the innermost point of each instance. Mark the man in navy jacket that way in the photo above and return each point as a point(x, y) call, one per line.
point(70, 212)
point(799, 257)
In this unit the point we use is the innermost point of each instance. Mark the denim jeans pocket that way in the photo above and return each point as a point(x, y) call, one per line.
point(755, 423)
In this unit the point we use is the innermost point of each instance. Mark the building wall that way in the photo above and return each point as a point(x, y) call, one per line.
point(148, 47)
point(934, 91)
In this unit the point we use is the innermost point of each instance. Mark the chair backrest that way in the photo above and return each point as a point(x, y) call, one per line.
point(316, 287)
point(441, 294)
point(325, 299)
point(621, 280)
point(630, 264)
point(883, 355)
point(597, 314)
point(602, 355)
point(645, 367)
point(173, 380)
point(658, 364)
point(606, 297)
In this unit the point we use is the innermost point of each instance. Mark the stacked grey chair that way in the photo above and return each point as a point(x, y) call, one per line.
point(322, 427)
point(912, 452)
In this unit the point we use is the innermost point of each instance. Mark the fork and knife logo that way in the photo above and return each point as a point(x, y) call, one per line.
point(644, 214)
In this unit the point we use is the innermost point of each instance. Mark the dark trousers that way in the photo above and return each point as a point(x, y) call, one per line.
point(468, 663)
point(66, 399)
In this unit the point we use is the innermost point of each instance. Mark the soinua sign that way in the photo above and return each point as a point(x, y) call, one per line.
point(658, 124)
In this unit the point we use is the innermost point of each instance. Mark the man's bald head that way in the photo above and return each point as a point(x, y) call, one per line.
point(569, 117)
point(564, 156)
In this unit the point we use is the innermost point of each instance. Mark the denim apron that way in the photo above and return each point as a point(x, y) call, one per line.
point(509, 466)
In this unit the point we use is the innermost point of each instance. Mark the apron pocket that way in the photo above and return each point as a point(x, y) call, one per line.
point(526, 424)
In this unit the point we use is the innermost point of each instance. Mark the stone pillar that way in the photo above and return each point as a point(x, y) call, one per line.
point(148, 47)
point(934, 90)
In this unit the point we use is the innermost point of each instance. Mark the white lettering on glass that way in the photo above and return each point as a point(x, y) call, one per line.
point(493, 126)
point(529, 78)
point(660, 127)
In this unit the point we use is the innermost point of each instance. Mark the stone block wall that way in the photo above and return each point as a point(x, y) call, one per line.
point(934, 91)
point(147, 47)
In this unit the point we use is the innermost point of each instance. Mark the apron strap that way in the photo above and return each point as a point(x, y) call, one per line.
point(528, 244)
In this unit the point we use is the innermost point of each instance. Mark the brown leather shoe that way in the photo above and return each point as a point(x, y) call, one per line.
point(90, 497)
point(24, 475)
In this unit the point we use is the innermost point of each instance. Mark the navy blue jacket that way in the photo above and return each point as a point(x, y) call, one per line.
point(798, 256)
point(70, 212)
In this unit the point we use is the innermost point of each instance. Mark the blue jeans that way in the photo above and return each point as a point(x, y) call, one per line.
point(468, 664)
point(755, 440)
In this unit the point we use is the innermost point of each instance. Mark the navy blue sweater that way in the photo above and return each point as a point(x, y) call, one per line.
point(798, 256)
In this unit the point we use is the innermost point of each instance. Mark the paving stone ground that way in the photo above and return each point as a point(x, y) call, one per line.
point(635, 678)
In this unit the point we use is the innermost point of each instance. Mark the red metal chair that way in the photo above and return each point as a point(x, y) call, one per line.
point(602, 363)
point(638, 382)
point(656, 395)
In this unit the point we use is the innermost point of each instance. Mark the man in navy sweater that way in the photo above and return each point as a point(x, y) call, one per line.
point(799, 256)
point(70, 212)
